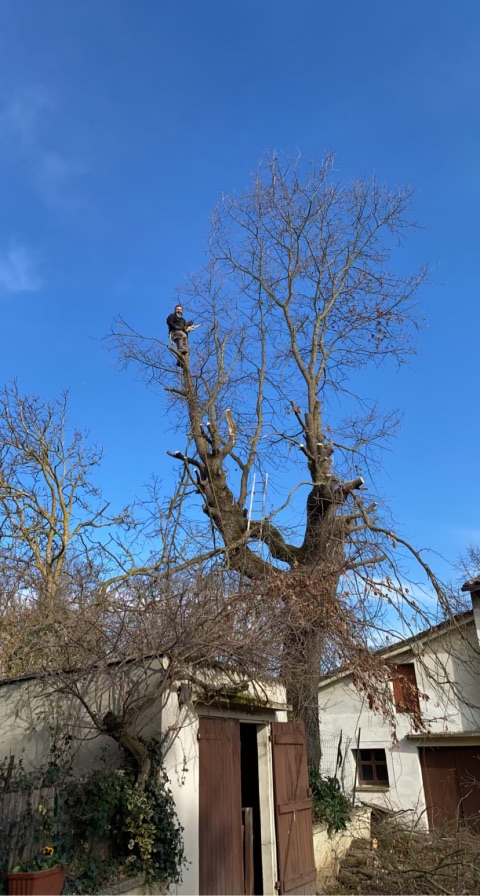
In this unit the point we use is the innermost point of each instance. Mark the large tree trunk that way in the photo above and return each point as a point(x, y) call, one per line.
point(301, 675)
point(312, 609)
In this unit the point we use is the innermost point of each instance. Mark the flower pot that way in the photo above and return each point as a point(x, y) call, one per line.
point(36, 883)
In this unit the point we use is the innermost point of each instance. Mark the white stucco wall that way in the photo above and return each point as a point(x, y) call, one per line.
point(181, 764)
point(448, 672)
point(344, 709)
point(29, 718)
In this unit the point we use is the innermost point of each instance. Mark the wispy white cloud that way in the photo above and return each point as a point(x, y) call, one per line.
point(18, 270)
point(29, 130)
point(55, 178)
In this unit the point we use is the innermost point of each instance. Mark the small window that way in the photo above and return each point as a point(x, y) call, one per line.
point(371, 768)
point(405, 690)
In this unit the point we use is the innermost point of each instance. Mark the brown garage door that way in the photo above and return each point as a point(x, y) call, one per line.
point(451, 779)
point(220, 810)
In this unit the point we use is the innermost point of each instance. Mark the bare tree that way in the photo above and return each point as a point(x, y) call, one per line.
point(60, 543)
point(124, 655)
point(298, 296)
point(109, 612)
point(468, 566)
point(50, 511)
point(62, 551)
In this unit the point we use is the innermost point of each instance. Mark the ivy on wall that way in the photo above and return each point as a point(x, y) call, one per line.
point(105, 824)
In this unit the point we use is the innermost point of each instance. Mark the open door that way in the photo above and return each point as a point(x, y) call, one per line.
point(293, 809)
point(220, 810)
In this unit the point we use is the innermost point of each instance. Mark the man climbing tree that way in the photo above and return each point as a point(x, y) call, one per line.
point(299, 294)
point(178, 329)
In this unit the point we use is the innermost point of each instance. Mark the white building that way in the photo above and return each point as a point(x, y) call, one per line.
point(433, 768)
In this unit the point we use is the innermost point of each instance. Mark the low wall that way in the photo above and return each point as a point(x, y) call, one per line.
point(330, 850)
point(133, 886)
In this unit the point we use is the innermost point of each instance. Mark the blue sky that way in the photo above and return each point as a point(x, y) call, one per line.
point(120, 125)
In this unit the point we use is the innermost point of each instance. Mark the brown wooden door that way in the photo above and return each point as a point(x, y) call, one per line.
point(451, 779)
point(468, 770)
point(293, 809)
point(440, 782)
point(220, 811)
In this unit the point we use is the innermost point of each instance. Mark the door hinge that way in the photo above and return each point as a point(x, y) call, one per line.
point(277, 885)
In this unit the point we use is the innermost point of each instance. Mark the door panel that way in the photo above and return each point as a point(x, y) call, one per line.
point(220, 811)
point(451, 779)
point(440, 781)
point(468, 770)
point(293, 809)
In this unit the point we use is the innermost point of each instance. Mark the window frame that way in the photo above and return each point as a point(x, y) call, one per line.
point(375, 783)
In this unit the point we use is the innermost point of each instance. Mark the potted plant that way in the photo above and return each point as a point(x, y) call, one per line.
point(42, 875)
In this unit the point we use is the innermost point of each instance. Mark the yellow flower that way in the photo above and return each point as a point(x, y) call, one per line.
point(48, 851)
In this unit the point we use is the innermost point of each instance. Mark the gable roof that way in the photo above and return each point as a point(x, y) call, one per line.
point(392, 650)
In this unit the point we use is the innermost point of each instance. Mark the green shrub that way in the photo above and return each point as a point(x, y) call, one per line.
point(329, 804)
point(116, 828)
point(103, 823)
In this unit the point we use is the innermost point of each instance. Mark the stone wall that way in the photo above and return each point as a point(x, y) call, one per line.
point(329, 850)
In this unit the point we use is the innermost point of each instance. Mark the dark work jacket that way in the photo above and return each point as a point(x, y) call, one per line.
point(176, 323)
